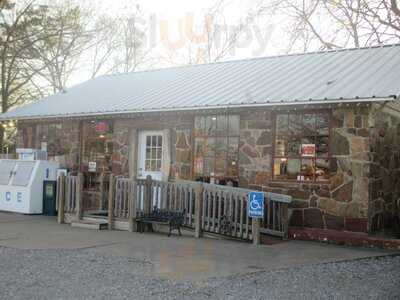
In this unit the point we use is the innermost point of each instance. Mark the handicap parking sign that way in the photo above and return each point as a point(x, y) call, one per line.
point(255, 205)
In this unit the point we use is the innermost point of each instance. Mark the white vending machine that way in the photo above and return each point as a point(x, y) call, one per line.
point(21, 183)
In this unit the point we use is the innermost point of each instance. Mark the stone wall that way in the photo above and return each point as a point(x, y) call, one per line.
point(180, 144)
point(255, 149)
point(385, 169)
point(26, 135)
point(62, 142)
point(182, 153)
point(341, 204)
point(344, 203)
point(69, 137)
point(120, 156)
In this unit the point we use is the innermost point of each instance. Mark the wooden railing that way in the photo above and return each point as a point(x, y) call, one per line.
point(225, 211)
point(175, 196)
point(95, 197)
point(69, 196)
point(67, 192)
point(207, 207)
point(275, 220)
point(124, 187)
point(148, 194)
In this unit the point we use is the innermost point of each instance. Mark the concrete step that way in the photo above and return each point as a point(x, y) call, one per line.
point(91, 224)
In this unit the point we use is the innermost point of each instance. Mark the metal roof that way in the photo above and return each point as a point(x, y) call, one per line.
point(364, 74)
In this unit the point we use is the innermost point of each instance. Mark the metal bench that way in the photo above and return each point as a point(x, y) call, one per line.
point(174, 219)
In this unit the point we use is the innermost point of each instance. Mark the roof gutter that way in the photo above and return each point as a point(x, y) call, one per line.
point(197, 108)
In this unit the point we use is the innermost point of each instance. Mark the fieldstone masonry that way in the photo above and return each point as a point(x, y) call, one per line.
point(255, 149)
point(384, 206)
point(182, 164)
point(120, 156)
point(364, 189)
point(62, 142)
point(341, 204)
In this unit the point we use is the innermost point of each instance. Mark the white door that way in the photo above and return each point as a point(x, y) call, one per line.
point(150, 154)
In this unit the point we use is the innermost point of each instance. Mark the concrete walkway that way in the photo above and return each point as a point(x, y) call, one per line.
point(174, 257)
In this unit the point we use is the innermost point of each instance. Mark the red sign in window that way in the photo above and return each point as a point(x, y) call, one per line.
point(308, 150)
point(102, 127)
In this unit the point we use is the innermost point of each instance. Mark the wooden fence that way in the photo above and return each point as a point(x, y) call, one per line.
point(275, 221)
point(218, 209)
point(69, 195)
point(225, 211)
point(148, 194)
point(207, 207)
point(95, 198)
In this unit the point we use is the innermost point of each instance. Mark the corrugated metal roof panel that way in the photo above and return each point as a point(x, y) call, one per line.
point(280, 80)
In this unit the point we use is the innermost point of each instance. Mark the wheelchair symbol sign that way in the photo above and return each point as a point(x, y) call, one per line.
point(256, 205)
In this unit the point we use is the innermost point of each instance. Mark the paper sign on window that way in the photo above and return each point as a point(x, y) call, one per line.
point(308, 150)
point(92, 166)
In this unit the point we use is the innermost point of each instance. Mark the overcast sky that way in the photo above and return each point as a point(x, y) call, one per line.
point(172, 17)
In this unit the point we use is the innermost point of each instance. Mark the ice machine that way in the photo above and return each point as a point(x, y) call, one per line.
point(21, 184)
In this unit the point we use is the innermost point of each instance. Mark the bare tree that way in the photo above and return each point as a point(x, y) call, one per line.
point(219, 39)
point(216, 39)
point(132, 52)
point(19, 35)
point(5, 4)
point(118, 43)
point(131, 48)
point(104, 45)
point(395, 7)
point(62, 52)
point(386, 15)
point(329, 24)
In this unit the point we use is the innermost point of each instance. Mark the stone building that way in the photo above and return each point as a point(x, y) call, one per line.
point(322, 127)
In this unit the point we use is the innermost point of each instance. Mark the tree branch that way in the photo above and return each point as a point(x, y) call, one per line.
point(395, 7)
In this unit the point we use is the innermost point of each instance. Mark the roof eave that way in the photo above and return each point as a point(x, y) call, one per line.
point(219, 107)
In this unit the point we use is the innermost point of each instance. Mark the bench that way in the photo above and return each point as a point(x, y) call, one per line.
point(174, 219)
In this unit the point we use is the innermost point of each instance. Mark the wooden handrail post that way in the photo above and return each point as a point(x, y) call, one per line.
point(147, 196)
point(132, 206)
point(61, 198)
point(79, 203)
point(198, 210)
point(255, 229)
point(285, 220)
point(102, 202)
point(111, 196)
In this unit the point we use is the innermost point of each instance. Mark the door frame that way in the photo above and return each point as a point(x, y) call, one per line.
point(141, 139)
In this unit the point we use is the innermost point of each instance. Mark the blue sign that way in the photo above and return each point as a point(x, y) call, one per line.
point(256, 205)
point(8, 196)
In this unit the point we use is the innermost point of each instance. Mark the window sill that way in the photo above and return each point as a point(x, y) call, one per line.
point(283, 183)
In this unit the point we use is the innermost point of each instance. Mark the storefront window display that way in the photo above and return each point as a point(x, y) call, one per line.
point(216, 149)
point(302, 147)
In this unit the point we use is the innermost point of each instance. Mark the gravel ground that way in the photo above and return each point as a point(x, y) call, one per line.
point(78, 274)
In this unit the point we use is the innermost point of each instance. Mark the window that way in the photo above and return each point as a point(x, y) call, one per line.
point(216, 148)
point(28, 137)
point(98, 146)
point(153, 153)
point(302, 146)
point(51, 135)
